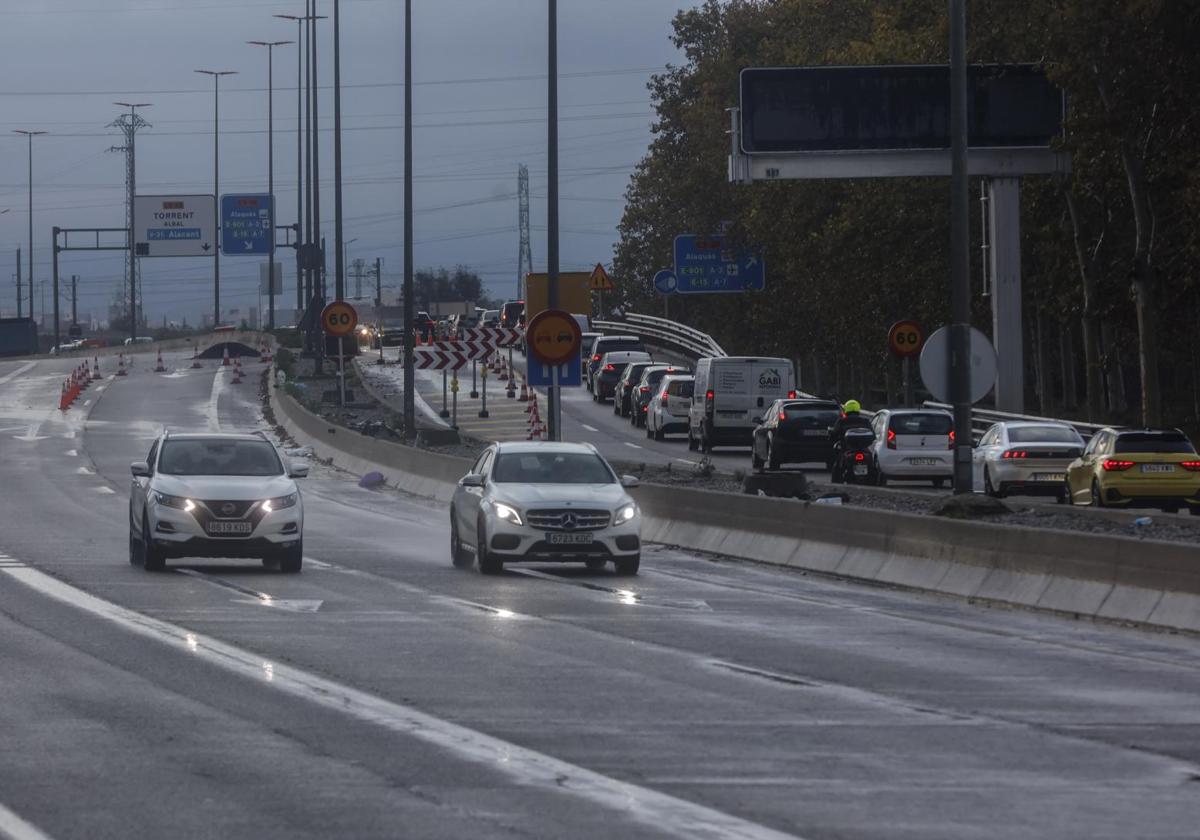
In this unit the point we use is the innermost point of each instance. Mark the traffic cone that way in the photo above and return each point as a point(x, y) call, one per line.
point(264, 354)
point(524, 392)
point(237, 372)
point(159, 366)
point(225, 358)
point(503, 370)
point(121, 365)
point(96, 368)
point(196, 358)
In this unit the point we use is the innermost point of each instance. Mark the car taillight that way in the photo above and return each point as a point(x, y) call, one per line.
point(1112, 465)
point(596, 357)
point(1191, 466)
point(782, 416)
point(859, 457)
point(891, 439)
point(1014, 453)
point(791, 395)
point(645, 389)
point(645, 409)
point(708, 402)
point(664, 399)
point(951, 444)
point(610, 368)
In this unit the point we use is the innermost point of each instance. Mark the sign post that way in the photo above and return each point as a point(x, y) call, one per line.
point(339, 319)
point(483, 412)
point(553, 339)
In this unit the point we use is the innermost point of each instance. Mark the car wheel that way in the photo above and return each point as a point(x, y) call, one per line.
point(773, 462)
point(1171, 509)
point(692, 445)
point(705, 442)
point(988, 488)
point(1097, 497)
point(939, 483)
point(135, 549)
point(461, 558)
point(659, 434)
point(152, 560)
point(1064, 495)
point(649, 432)
point(628, 565)
point(489, 564)
point(756, 463)
point(881, 480)
point(292, 558)
point(595, 564)
point(617, 407)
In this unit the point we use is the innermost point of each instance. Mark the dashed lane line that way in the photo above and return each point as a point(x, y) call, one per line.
point(13, 827)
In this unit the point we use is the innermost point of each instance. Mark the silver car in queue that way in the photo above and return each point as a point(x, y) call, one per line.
point(1026, 458)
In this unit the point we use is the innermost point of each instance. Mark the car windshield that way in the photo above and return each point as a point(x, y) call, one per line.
point(1161, 442)
point(922, 424)
point(551, 468)
point(682, 389)
point(1042, 434)
point(215, 456)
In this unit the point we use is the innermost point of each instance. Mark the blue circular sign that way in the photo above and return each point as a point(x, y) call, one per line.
point(665, 282)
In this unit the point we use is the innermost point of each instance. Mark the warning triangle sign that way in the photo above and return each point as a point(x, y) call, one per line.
point(599, 280)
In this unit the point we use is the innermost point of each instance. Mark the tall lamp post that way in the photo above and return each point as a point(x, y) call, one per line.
point(553, 393)
point(410, 410)
point(216, 77)
point(300, 194)
point(270, 45)
point(30, 135)
point(131, 128)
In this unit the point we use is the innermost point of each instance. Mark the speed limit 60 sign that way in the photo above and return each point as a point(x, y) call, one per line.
point(339, 319)
point(906, 338)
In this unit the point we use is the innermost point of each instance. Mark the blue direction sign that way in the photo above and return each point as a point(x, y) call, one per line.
point(247, 225)
point(703, 265)
point(569, 375)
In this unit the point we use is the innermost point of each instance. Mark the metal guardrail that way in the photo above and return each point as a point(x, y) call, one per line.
point(982, 420)
point(691, 341)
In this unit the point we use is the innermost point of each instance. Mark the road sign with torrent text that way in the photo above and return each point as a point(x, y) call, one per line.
point(704, 265)
point(174, 226)
point(247, 225)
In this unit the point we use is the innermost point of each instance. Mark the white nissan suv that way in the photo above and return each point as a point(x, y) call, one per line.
point(554, 502)
point(215, 495)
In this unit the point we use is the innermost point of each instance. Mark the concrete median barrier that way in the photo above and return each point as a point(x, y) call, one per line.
point(1086, 575)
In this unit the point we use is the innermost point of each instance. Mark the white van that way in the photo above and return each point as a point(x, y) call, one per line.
point(731, 393)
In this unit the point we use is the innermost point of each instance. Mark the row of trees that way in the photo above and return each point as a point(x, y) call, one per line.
point(1110, 253)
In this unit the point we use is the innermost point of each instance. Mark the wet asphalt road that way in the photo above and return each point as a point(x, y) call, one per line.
point(382, 693)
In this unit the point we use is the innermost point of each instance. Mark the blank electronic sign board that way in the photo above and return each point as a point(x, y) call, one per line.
point(894, 108)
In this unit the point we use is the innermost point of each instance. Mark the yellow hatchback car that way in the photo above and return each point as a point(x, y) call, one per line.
point(1156, 468)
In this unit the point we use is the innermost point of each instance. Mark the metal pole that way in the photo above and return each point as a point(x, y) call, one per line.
point(341, 373)
point(554, 393)
point(133, 330)
point(378, 283)
point(74, 299)
point(409, 372)
point(454, 410)
point(316, 159)
point(217, 201)
point(55, 290)
point(271, 183)
point(960, 296)
point(339, 244)
point(19, 289)
point(445, 412)
point(483, 411)
point(309, 285)
point(31, 233)
point(474, 385)
point(299, 167)
point(909, 397)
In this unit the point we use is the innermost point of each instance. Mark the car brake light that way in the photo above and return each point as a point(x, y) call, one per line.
point(645, 409)
point(951, 444)
point(1014, 453)
point(596, 357)
point(891, 439)
point(664, 399)
point(610, 367)
point(860, 457)
point(1191, 466)
point(1112, 465)
point(645, 389)
point(791, 395)
point(782, 416)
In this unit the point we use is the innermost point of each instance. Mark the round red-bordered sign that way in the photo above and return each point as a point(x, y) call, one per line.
point(339, 319)
point(553, 337)
point(906, 338)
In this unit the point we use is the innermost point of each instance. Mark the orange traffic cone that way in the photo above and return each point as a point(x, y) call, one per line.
point(196, 358)
point(264, 354)
point(159, 366)
point(237, 372)
point(96, 368)
point(121, 365)
point(225, 359)
point(524, 392)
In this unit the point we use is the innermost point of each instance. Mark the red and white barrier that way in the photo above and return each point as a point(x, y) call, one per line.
point(159, 365)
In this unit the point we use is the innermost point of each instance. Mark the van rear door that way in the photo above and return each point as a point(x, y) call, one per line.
point(744, 387)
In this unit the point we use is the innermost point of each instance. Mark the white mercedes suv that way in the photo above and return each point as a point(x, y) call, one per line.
point(215, 495)
point(554, 502)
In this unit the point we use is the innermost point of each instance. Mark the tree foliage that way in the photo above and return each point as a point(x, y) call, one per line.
point(1109, 253)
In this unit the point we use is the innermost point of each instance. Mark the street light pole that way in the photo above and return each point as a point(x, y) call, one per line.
point(339, 246)
point(300, 54)
point(270, 45)
point(216, 77)
point(30, 135)
point(133, 126)
point(553, 393)
point(960, 258)
point(410, 404)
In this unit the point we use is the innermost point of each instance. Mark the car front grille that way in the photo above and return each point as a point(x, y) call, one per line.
point(569, 519)
point(236, 509)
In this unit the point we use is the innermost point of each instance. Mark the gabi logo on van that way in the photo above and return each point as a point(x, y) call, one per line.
point(770, 378)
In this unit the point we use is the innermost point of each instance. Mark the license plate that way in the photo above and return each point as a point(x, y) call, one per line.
point(860, 469)
point(1050, 477)
point(816, 433)
point(558, 538)
point(229, 528)
point(1158, 468)
point(923, 462)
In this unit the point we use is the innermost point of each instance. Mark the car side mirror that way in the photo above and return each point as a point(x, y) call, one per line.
point(140, 469)
point(298, 470)
point(630, 481)
point(472, 480)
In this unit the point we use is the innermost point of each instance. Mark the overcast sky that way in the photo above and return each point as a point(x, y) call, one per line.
point(479, 111)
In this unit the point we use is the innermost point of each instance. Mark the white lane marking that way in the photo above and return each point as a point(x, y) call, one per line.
point(15, 828)
point(589, 428)
point(527, 767)
point(686, 461)
point(31, 434)
point(84, 471)
point(211, 410)
point(9, 377)
point(71, 453)
point(632, 445)
point(13, 429)
point(105, 490)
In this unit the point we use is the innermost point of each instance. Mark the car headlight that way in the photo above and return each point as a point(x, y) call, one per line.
point(625, 513)
point(508, 514)
point(177, 502)
point(280, 503)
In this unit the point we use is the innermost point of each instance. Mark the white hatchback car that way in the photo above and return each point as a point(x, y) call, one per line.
point(539, 501)
point(668, 409)
point(215, 495)
point(913, 444)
